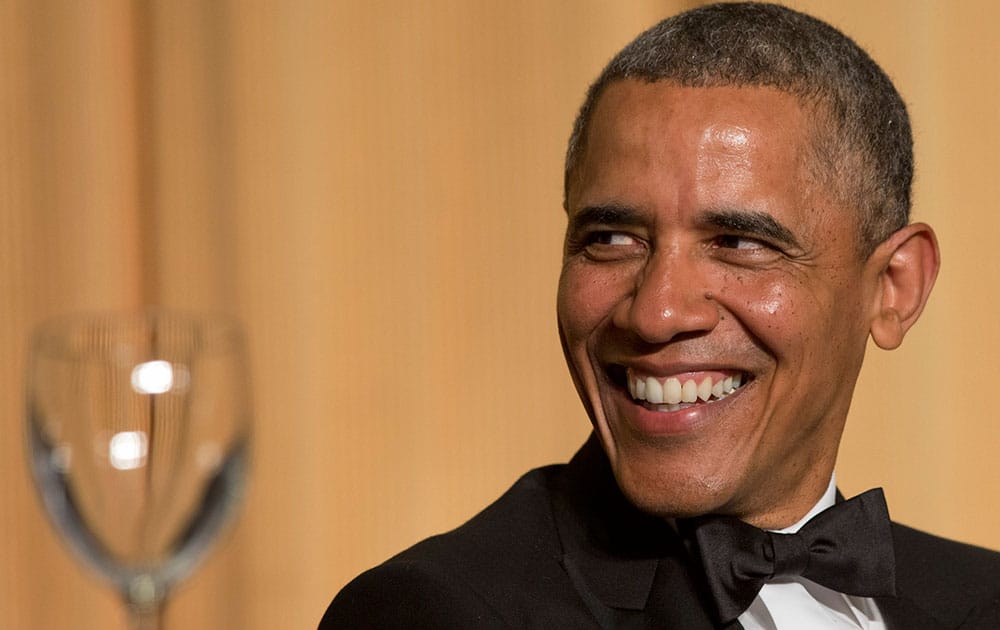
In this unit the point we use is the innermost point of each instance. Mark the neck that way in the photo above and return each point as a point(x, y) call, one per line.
point(827, 500)
point(797, 507)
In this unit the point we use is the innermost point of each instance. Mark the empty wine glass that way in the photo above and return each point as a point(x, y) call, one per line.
point(138, 434)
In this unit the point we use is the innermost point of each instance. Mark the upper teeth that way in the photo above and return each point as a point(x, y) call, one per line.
point(672, 391)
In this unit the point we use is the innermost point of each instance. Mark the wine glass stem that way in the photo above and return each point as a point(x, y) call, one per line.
point(146, 600)
point(146, 617)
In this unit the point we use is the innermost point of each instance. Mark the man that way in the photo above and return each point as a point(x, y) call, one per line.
point(737, 190)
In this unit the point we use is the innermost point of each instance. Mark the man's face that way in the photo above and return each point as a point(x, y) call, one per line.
point(703, 264)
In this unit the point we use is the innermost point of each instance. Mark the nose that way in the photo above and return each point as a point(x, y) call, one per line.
point(672, 297)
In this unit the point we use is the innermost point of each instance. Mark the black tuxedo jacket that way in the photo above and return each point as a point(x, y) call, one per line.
point(564, 550)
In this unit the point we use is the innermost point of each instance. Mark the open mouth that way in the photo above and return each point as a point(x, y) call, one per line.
point(680, 392)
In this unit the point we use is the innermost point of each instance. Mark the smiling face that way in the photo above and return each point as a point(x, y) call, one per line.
point(713, 306)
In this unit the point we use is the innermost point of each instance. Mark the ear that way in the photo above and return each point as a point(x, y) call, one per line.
point(907, 264)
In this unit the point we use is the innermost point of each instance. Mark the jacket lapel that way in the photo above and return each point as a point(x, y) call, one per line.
point(615, 591)
point(676, 600)
point(631, 569)
point(637, 594)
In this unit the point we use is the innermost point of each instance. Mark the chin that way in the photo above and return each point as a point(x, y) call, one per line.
point(658, 488)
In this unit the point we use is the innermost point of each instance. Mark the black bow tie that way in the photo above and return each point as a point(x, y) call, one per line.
point(847, 548)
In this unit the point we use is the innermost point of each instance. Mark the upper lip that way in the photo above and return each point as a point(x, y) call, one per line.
point(673, 368)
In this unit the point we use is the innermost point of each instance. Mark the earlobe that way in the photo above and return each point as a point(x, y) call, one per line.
point(909, 262)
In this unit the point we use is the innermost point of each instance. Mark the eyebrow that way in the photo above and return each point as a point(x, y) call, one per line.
point(606, 215)
point(750, 223)
point(746, 222)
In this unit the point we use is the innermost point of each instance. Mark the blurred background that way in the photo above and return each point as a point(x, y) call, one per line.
point(374, 188)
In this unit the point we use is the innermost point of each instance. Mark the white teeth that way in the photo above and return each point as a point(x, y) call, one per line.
point(689, 392)
point(654, 391)
point(719, 388)
point(671, 392)
point(705, 389)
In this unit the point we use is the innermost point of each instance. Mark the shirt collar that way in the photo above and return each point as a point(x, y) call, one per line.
point(826, 501)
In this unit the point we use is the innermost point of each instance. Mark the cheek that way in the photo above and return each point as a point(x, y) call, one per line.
point(782, 311)
point(585, 299)
point(573, 308)
point(777, 314)
point(759, 302)
point(793, 320)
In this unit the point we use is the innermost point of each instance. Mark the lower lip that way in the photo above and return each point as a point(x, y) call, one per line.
point(652, 423)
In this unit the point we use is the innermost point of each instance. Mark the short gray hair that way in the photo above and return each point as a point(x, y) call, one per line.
point(864, 151)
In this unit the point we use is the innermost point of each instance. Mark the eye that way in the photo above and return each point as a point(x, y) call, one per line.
point(745, 251)
point(610, 238)
point(607, 245)
point(735, 241)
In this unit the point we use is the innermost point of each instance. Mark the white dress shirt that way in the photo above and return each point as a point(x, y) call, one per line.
point(795, 603)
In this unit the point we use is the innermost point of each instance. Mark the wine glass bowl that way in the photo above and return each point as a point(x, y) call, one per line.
point(138, 434)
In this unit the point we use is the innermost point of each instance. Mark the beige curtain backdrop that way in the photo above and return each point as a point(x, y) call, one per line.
point(374, 189)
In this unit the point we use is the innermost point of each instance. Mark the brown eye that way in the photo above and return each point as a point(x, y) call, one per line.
point(612, 238)
point(734, 241)
point(609, 246)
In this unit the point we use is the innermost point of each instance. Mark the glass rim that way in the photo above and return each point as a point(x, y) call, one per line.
point(216, 332)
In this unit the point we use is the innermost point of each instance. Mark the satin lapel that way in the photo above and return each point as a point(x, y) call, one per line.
point(675, 600)
point(605, 540)
point(614, 590)
point(638, 594)
point(629, 568)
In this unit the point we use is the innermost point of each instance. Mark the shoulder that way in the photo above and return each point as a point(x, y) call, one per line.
point(947, 575)
point(473, 576)
point(926, 559)
point(408, 594)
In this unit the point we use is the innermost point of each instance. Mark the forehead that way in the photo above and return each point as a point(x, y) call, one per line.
point(656, 145)
point(646, 126)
